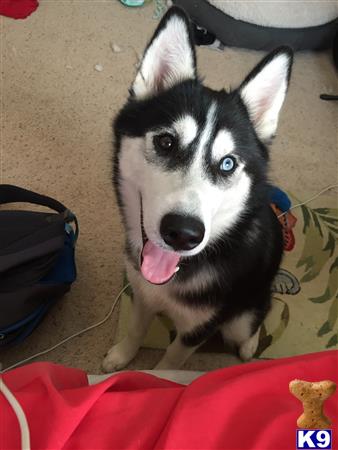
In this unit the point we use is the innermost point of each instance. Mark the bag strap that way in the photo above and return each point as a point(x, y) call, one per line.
point(14, 194)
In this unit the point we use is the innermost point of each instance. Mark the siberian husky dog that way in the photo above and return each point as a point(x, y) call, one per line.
point(202, 242)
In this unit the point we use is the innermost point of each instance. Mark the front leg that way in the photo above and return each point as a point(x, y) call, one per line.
point(176, 355)
point(123, 352)
point(240, 332)
point(193, 327)
point(248, 348)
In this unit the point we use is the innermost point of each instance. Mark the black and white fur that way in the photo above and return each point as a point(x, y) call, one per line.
point(224, 283)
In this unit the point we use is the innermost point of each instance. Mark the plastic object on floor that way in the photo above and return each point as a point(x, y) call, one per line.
point(132, 2)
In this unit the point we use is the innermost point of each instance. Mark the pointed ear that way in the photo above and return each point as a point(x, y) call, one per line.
point(263, 91)
point(169, 58)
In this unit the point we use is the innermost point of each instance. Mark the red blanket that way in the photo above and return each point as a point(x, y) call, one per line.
point(18, 9)
point(243, 407)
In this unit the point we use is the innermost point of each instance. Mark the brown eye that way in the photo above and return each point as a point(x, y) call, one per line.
point(164, 141)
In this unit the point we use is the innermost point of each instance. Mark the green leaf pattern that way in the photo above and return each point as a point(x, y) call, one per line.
point(321, 231)
point(333, 341)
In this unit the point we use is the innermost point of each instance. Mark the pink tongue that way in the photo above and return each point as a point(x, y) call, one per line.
point(158, 265)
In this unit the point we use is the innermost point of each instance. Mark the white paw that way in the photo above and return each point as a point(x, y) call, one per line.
point(118, 357)
point(249, 347)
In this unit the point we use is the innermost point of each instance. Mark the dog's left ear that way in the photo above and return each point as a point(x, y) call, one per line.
point(169, 58)
point(264, 89)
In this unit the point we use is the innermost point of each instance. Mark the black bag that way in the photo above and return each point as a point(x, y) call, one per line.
point(37, 261)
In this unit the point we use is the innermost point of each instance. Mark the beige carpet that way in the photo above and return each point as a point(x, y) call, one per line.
point(56, 138)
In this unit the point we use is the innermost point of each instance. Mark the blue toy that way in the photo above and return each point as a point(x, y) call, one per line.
point(280, 199)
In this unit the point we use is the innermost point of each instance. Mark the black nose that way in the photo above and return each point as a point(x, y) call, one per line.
point(181, 232)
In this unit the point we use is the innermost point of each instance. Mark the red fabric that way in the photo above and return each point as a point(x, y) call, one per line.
point(18, 9)
point(243, 407)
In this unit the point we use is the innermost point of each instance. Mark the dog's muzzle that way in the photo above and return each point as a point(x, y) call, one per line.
point(158, 266)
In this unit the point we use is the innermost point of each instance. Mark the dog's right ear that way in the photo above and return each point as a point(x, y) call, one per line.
point(169, 57)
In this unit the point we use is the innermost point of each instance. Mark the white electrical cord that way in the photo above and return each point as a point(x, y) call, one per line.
point(20, 415)
point(310, 199)
point(44, 352)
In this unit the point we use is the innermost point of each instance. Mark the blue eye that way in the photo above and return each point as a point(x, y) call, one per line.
point(228, 164)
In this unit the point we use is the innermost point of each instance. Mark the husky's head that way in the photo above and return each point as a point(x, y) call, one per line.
point(191, 161)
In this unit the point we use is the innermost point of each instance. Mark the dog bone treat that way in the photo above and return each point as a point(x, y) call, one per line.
point(312, 395)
